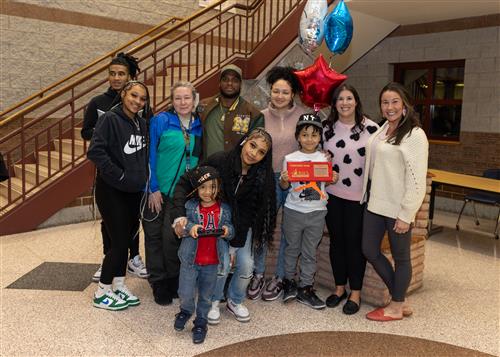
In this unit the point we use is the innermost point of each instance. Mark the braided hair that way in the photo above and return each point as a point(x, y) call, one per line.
point(147, 112)
point(129, 61)
point(260, 186)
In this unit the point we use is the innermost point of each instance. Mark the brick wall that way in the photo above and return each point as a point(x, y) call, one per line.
point(478, 148)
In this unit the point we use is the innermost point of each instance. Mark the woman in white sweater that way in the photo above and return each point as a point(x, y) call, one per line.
point(396, 162)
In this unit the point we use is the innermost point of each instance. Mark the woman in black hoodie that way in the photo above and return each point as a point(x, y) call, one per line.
point(249, 188)
point(121, 69)
point(118, 149)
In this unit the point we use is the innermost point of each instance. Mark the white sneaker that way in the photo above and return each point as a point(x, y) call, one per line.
point(109, 301)
point(97, 275)
point(137, 267)
point(214, 313)
point(239, 311)
point(125, 294)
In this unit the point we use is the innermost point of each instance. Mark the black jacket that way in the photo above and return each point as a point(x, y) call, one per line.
point(238, 191)
point(95, 109)
point(118, 149)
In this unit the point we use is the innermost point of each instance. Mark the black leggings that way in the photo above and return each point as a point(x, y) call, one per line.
point(344, 221)
point(106, 241)
point(396, 279)
point(120, 213)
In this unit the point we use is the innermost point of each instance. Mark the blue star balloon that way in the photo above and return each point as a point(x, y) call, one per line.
point(338, 29)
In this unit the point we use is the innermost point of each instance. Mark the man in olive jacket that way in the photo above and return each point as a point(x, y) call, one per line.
point(226, 117)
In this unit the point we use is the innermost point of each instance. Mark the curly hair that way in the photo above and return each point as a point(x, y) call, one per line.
point(260, 188)
point(329, 123)
point(285, 73)
point(409, 120)
point(129, 61)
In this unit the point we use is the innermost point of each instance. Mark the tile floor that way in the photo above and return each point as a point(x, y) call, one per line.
point(459, 303)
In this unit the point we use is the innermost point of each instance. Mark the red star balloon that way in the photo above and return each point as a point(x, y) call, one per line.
point(318, 83)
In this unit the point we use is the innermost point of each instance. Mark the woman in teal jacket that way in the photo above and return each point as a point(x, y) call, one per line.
point(175, 147)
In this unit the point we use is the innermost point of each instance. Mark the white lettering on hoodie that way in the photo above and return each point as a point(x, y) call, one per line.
point(134, 144)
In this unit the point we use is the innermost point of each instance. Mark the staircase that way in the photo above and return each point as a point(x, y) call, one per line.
point(40, 136)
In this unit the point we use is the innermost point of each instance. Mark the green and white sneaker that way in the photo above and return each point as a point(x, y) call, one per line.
point(125, 294)
point(110, 301)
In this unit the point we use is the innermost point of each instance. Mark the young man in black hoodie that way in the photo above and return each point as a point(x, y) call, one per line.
point(121, 69)
point(118, 149)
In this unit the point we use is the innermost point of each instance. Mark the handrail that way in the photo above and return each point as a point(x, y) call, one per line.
point(192, 49)
point(43, 100)
point(82, 69)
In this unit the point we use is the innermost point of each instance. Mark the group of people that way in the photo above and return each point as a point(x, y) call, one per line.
point(207, 178)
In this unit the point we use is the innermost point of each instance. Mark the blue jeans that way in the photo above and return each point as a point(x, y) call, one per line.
point(260, 256)
point(243, 272)
point(195, 276)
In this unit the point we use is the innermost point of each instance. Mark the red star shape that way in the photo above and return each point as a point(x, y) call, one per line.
point(318, 83)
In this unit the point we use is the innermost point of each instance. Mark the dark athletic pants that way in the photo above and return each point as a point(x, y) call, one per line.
point(120, 213)
point(398, 279)
point(344, 221)
point(161, 244)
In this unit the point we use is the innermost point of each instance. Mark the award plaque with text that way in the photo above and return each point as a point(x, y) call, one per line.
point(309, 171)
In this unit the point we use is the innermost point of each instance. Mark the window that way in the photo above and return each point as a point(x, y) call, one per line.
point(437, 91)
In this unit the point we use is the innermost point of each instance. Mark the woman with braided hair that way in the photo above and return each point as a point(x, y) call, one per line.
point(121, 69)
point(118, 150)
point(248, 185)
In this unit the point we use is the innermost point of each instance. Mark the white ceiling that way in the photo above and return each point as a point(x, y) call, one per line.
point(407, 12)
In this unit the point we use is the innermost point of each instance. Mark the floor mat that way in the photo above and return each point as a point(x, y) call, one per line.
point(57, 276)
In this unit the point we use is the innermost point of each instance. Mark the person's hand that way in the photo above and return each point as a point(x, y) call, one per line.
point(284, 179)
point(335, 178)
point(180, 226)
point(401, 227)
point(226, 231)
point(194, 230)
point(155, 201)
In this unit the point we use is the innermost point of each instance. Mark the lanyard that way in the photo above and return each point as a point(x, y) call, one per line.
point(187, 140)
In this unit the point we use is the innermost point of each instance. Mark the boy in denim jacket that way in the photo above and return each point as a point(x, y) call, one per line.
point(202, 255)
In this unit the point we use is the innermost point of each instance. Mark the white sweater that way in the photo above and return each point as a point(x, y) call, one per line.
point(399, 175)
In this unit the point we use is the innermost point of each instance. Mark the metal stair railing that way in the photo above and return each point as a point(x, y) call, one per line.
point(191, 49)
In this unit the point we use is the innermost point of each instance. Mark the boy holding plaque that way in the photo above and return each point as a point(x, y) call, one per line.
point(305, 174)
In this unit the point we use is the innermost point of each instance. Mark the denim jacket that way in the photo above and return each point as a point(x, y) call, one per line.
point(189, 245)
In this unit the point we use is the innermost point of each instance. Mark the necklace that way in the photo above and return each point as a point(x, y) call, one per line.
point(230, 109)
point(136, 123)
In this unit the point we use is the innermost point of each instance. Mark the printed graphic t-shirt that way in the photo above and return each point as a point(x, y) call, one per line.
point(306, 199)
point(206, 254)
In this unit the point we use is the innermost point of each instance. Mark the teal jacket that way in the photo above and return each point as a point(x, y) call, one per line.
point(167, 154)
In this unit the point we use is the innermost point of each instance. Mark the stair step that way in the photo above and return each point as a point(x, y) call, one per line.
point(77, 132)
point(31, 174)
point(159, 81)
point(16, 188)
point(66, 146)
point(43, 159)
